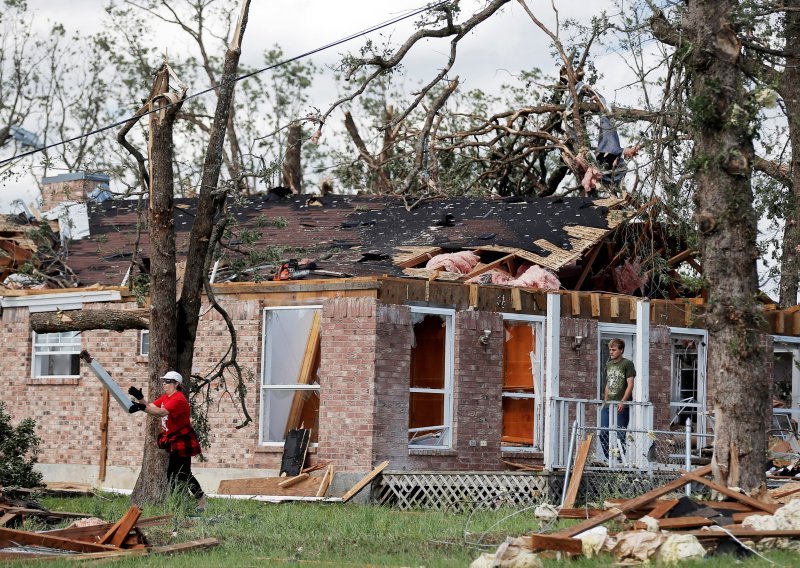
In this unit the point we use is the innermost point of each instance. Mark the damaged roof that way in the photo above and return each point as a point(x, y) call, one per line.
point(358, 235)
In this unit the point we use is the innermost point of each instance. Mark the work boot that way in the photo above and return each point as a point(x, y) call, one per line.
point(201, 504)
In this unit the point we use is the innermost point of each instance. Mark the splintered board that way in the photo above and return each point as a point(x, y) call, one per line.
point(270, 486)
point(294, 451)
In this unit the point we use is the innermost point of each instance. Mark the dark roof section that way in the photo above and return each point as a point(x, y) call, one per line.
point(356, 235)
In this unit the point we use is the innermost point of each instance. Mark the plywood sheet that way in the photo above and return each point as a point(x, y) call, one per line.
point(269, 486)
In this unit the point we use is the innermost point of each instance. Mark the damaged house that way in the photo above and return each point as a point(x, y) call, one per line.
point(456, 335)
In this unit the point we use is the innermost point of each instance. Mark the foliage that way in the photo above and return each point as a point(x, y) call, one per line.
point(19, 451)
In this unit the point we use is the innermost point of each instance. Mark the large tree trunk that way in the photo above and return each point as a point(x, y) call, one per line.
point(790, 92)
point(723, 154)
point(292, 169)
point(85, 320)
point(151, 486)
point(209, 205)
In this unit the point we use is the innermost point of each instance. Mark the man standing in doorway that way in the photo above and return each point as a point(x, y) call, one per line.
point(620, 373)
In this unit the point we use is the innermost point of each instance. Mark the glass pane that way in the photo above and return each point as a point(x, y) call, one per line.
point(145, 347)
point(519, 356)
point(56, 366)
point(428, 351)
point(425, 409)
point(282, 410)
point(64, 337)
point(286, 345)
point(518, 421)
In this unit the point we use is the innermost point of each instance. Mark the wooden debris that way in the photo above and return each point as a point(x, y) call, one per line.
point(559, 543)
point(269, 486)
point(744, 499)
point(577, 473)
point(11, 537)
point(326, 482)
point(293, 480)
point(524, 466)
point(361, 484)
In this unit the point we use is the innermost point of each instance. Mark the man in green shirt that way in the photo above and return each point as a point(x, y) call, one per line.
point(620, 373)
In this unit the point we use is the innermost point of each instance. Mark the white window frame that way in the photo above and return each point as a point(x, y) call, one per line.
point(629, 353)
point(142, 333)
point(702, 373)
point(790, 344)
point(35, 353)
point(445, 442)
point(538, 396)
point(266, 345)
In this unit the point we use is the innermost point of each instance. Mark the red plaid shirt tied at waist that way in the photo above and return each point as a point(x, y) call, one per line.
point(182, 442)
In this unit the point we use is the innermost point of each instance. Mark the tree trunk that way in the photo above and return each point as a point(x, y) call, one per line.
point(790, 92)
point(151, 486)
point(723, 156)
point(292, 169)
point(209, 204)
point(84, 320)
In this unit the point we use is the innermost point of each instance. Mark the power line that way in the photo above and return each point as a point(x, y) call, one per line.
point(351, 37)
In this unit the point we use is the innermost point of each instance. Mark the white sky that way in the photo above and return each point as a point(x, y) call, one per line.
point(498, 48)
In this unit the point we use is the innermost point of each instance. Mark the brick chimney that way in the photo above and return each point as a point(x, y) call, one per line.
point(77, 186)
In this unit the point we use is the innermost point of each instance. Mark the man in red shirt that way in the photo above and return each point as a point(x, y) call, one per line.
point(177, 436)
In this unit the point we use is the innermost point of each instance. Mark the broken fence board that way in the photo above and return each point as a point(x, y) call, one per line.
point(11, 537)
point(631, 504)
point(577, 474)
point(361, 484)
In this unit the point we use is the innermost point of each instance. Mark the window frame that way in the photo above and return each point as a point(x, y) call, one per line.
point(446, 441)
point(142, 333)
point(266, 341)
point(538, 407)
point(35, 354)
point(701, 336)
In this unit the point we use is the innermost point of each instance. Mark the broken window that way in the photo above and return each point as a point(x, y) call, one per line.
point(290, 372)
point(522, 382)
point(687, 392)
point(56, 354)
point(431, 393)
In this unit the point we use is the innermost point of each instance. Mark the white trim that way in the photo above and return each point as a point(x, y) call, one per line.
point(702, 370)
point(35, 353)
point(449, 353)
point(788, 340)
point(538, 381)
point(642, 415)
point(63, 301)
point(552, 332)
point(142, 333)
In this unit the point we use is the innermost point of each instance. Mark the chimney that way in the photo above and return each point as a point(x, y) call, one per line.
point(79, 186)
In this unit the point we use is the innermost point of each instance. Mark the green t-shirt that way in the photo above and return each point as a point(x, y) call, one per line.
point(617, 373)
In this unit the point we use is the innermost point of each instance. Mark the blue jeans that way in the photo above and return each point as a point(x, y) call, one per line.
point(622, 423)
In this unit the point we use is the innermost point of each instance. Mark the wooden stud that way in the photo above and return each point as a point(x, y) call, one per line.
point(487, 267)
point(749, 501)
point(516, 299)
point(577, 473)
point(632, 309)
point(473, 295)
point(103, 435)
point(589, 263)
point(614, 302)
point(127, 524)
point(595, 305)
point(6, 518)
point(796, 323)
point(43, 539)
point(559, 543)
point(575, 299)
point(305, 378)
point(662, 508)
point(364, 481)
point(326, 481)
point(293, 480)
point(687, 314)
point(740, 517)
point(779, 322)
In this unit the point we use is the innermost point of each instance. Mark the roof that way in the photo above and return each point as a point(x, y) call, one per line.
point(358, 235)
point(77, 176)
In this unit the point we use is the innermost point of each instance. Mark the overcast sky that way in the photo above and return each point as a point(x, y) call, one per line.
point(499, 48)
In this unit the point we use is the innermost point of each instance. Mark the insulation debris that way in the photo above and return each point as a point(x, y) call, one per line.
point(460, 262)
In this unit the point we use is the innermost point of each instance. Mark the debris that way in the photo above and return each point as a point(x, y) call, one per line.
point(364, 481)
point(679, 548)
point(459, 262)
point(638, 546)
point(294, 451)
point(513, 553)
point(577, 474)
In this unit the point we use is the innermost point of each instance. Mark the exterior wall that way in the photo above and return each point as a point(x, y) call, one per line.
point(578, 376)
point(69, 187)
point(660, 375)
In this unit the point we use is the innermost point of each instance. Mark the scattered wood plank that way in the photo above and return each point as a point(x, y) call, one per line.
point(293, 480)
point(7, 518)
point(95, 532)
point(326, 482)
point(315, 467)
point(125, 527)
point(632, 504)
point(185, 546)
point(268, 486)
point(739, 517)
point(524, 466)
point(662, 507)
point(364, 481)
point(577, 474)
point(749, 501)
point(11, 537)
point(678, 523)
point(785, 493)
point(559, 543)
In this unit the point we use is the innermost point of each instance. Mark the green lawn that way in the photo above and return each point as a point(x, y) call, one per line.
point(315, 534)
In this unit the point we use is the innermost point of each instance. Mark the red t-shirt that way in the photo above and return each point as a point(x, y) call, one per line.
point(179, 411)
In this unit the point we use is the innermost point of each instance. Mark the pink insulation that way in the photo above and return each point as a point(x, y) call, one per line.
point(628, 277)
point(530, 276)
point(460, 262)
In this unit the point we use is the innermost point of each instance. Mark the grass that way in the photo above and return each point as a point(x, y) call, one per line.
point(317, 534)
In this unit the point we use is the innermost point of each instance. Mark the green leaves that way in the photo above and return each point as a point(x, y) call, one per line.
point(19, 451)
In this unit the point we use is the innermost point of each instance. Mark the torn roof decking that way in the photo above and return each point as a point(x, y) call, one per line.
point(360, 235)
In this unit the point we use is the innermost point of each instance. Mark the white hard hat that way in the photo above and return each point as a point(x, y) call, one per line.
point(173, 376)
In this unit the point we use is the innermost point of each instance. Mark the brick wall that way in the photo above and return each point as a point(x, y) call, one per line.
point(660, 375)
point(347, 367)
point(73, 190)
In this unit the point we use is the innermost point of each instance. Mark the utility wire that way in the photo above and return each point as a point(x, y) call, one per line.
point(346, 39)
